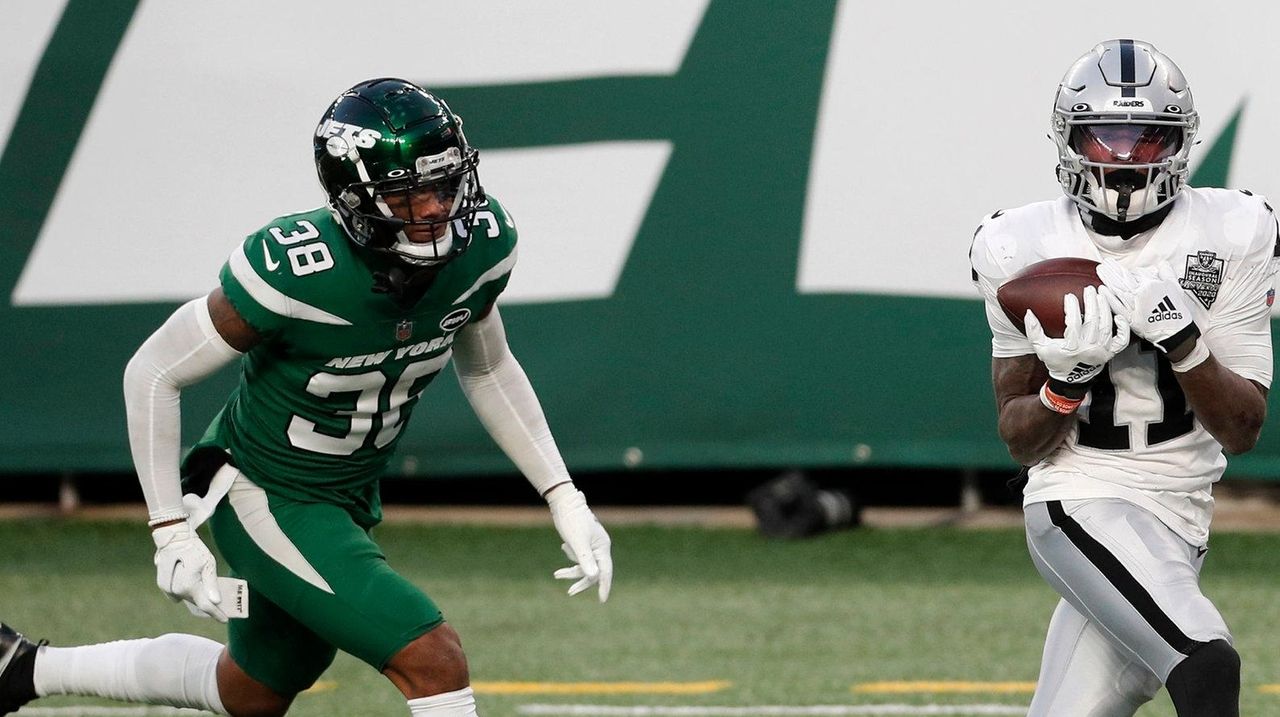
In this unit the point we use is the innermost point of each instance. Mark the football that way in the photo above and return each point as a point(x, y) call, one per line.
point(1041, 288)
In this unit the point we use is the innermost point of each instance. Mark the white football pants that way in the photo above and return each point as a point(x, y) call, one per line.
point(1131, 611)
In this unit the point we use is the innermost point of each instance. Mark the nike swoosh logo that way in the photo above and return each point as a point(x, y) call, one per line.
point(271, 264)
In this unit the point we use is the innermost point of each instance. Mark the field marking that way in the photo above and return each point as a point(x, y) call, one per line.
point(1269, 689)
point(600, 688)
point(769, 710)
point(952, 686)
point(321, 686)
point(88, 711)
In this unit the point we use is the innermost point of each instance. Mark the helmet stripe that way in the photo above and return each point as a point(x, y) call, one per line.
point(1126, 69)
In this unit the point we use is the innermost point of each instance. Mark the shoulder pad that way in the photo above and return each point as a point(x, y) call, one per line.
point(973, 276)
point(504, 223)
point(288, 269)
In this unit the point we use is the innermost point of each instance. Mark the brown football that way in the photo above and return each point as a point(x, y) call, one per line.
point(1041, 287)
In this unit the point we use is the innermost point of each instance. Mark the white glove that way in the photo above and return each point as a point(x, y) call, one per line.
point(1153, 301)
point(585, 541)
point(1087, 344)
point(200, 508)
point(186, 571)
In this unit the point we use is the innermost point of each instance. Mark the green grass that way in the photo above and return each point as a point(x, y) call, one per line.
point(787, 622)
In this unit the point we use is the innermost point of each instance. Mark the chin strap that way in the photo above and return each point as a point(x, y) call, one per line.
point(1124, 193)
point(1107, 226)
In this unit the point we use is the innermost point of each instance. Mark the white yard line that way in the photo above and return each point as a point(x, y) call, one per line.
point(578, 710)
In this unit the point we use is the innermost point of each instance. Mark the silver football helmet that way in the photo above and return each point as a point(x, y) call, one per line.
point(1124, 123)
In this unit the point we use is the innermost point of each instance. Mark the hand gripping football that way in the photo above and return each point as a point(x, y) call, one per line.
point(1041, 287)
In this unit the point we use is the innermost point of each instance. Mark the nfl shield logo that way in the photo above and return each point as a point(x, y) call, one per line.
point(404, 330)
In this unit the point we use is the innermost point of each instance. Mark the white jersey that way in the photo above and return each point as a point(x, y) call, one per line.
point(1136, 438)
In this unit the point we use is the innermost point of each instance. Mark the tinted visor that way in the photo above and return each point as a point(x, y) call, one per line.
point(1126, 143)
point(427, 203)
point(443, 186)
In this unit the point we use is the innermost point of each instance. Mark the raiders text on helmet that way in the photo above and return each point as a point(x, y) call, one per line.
point(1124, 122)
point(384, 142)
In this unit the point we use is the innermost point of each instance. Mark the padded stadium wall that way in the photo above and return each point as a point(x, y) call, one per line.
point(744, 223)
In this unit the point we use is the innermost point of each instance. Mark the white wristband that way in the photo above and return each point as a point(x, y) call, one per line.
point(166, 517)
point(1196, 357)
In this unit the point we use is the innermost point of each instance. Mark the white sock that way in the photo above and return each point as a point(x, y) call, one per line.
point(459, 703)
point(175, 670)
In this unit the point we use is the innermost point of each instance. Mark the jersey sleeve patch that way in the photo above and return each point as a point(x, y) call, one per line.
point(269, 298)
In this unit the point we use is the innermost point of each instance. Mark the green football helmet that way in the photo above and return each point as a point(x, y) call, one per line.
point(385, 149)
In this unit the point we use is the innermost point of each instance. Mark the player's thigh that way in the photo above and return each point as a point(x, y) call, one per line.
point(323, 570)
point(1125, 571)
point(273, 648)
point(1082, 674)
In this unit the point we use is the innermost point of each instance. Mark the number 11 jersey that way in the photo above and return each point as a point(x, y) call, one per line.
point(1136, 438)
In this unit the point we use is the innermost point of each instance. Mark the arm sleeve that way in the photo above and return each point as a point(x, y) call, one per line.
point(1239, 330)
point(183, 351)
point(503, 399)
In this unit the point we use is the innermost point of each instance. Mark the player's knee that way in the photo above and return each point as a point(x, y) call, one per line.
point(255, 704)
point(432, 664)
point(1216, 660)
point(1210, 670)
point(243, 696)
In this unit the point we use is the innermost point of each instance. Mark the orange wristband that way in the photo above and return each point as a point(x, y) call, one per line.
point(1058, 404)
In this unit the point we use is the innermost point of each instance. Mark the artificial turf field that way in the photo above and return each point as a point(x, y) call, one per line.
point(738, 620)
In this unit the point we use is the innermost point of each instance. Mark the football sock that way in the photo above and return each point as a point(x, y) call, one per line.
point(1207, 683)
point(176, 670)
point(459, 703)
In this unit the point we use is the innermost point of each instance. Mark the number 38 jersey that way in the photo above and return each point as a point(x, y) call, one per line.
point(324, 398)
point(1136, 438)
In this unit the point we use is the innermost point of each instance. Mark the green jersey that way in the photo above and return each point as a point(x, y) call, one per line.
point(324, 398)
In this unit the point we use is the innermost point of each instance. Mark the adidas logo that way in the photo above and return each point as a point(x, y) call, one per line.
point(1164, 311)
point(1081, 371)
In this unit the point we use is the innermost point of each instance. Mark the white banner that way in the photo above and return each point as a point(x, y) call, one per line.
point(932, 115)
point(937, 114)
point(202, 132)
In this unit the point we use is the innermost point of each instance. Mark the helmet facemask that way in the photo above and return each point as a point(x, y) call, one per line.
point(421, 216)
point(1123, 168)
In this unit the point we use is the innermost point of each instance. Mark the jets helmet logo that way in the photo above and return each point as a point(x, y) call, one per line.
point(345, 138)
